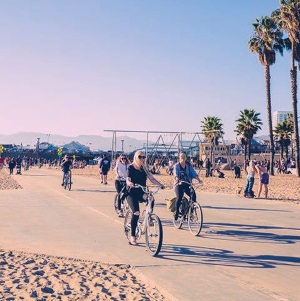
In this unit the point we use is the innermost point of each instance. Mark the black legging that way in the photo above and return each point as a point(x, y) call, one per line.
point(119, 185)
point(180, 190)
point(133, 200)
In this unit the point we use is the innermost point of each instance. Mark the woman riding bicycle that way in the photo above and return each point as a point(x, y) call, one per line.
point(137, 174)
point(120, 180)
point(183, 171)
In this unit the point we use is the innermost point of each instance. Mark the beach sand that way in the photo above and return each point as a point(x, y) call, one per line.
point(282, 187)
point(25, 276)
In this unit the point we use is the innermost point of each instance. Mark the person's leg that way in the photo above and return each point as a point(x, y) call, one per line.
point(118, 188)
point(266, 190)
point(179, 196)
point(246, 189)
point(251, 183)
point(259, 189)
point(101, 176)
point(133, 202)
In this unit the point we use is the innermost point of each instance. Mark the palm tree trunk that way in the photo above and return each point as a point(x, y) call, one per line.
point(269, 115)
point(249, 149)
point(295, 112)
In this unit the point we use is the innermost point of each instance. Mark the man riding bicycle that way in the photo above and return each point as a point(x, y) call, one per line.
point(66, 166)
point(183, 171)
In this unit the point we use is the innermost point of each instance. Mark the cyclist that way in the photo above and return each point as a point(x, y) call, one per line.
point(137, 174)
point(121, 174)
point(183, 171)
point(66, 165)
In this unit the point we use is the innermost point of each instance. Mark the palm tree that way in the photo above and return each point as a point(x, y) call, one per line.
point(283, 132)
point(248, 125)
point(288, 18)
point(213, 130)
point(266, 41)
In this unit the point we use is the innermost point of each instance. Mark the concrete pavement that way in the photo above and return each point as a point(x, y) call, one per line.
point(248, 249)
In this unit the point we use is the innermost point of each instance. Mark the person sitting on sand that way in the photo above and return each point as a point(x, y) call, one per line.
point(263, 179)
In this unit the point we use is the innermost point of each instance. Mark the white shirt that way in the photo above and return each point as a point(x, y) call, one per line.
point(121, 170)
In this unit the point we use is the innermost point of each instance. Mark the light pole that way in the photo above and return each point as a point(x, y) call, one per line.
point(37, 148)
point(122, 141)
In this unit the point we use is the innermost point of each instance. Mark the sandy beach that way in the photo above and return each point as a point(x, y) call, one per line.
point(25, 276)
point(282, 187)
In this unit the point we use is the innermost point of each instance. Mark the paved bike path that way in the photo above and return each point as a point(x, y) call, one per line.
point(248, 250)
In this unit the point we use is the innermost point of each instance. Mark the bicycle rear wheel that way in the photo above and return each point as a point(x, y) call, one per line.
point(66, 179)
point(154, 235)
point(195, 218)
point(127, 224)
point(69, 182)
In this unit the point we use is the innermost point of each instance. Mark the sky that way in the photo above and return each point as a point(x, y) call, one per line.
point(81, 67)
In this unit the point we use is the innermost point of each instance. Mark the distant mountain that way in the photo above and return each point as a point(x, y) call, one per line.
point(94, 142)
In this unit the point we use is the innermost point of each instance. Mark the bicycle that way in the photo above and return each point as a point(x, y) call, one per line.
point(149, 223)
point(122, 195)
point(189, 211)
point(67, 180)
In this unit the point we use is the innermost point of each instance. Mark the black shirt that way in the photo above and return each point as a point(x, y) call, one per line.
point(137, 176)
point(66, 166)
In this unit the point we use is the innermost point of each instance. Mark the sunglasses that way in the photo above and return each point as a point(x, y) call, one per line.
point(141, 157)
point(123, 158)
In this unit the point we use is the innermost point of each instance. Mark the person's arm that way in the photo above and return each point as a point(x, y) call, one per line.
point(194, 174)
point(129, 183)
point(154, 181)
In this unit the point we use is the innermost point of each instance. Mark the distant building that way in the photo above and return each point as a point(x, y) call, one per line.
point(279, 117)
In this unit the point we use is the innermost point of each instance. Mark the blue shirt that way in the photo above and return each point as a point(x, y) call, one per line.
point(189, 171)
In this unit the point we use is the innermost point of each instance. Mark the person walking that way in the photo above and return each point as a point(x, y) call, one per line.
point(207, 167)
point(248, 192)
point(262, 170)
point(11, 165)
point(137, 174)
point(104, 167)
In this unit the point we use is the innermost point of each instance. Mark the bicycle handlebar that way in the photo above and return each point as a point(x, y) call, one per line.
point(146, 189)
point(190, 184)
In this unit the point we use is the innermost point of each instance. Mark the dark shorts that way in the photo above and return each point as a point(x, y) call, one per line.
point(264, 178)
point(104, 171)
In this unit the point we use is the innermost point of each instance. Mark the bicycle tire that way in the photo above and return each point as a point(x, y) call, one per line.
point(70, 182)
point(66, 181)
point(154, 235)
point(195, 218)
point(116, 203)
point(127, 224)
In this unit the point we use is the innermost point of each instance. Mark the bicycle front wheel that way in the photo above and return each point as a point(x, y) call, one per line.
point(154, 235)
point(195, 218)
point(116, 203)
point(69, 183)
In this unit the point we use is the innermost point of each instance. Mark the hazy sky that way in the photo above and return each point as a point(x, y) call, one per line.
point(78, 67)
